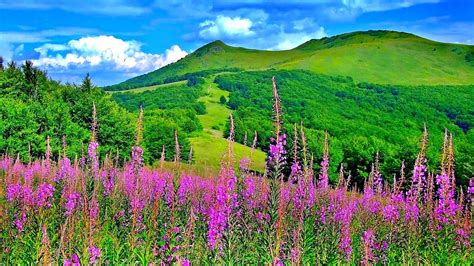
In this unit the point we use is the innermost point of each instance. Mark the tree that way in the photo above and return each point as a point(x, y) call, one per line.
point(31, 75)
point(1, 63)
point(223, 100)
point(87, 83)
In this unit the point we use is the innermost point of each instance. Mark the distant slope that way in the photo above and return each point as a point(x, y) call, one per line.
point(384, 57)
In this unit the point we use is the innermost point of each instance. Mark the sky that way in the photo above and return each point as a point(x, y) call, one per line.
point(115, 40)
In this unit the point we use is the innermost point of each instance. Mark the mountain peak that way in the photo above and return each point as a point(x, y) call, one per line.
point(214, 47)
point(354, 38)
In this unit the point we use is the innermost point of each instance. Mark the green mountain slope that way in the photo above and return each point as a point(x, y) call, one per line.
point(384, 57)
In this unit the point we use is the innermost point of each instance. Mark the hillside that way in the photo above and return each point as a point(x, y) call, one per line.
point(382, 57)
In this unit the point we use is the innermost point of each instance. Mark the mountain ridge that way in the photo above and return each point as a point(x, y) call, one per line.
point(375, 56)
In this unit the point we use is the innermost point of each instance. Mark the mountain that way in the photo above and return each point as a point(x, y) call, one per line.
point(383, 57)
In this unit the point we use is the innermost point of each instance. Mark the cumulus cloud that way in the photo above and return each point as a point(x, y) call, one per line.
point(259, 32)
point(224, 26)
point(103, 54)
point(11, 40)
point(291, 40)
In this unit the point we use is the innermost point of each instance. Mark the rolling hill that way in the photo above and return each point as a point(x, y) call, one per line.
point(382, 57)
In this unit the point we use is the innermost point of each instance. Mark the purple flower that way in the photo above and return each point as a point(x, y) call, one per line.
point(65, 170)
point(390, 213)
point(470, 189)
point(368, 240)
point(344, 216)
point(43, 194)
point(137, 157)
point(92, 152)
point(94, 209)
point(74, 261)
point(249, 191)
point(72, 201)
point(295, 172)
point(324, 176)
point(20, 221)
point(277, 150)
point(185, 262)
point(14, 192)
point(94, 255)
point(447, 206)
point(378, 185)
point(244, 164)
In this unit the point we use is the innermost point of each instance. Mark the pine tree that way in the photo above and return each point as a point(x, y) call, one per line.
point(87, 83)
point(223, 99)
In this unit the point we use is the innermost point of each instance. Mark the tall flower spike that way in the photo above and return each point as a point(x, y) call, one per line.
point(450, 156)
point(444, 154)
point(399, 184)
point(276, 108)
point(230, 144)
point(341, 181)
point(190, 156)
point(48, 151)
point(254, 143)
point(295, 167)
point(162, 158)
point(377, 177)
point(324, 173)
point(304, 147)
point(94, 124)
point(245, 138)
point(418, 180)
point(295, 145)
point(177, 153)
point(64, 146)
point(29, 152)
point(139, 136)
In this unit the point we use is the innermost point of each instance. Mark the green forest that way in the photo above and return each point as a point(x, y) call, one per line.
point(34, 108)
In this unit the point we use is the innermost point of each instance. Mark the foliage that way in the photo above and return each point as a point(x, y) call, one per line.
point(32, 108)
point(165, 98)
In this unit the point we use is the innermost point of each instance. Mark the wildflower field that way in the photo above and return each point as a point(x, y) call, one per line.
point(92, 210)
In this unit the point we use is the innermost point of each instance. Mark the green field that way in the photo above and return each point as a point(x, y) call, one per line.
point(383, 57)
point(209, 146)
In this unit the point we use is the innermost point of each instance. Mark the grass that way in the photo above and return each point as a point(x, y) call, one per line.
point(210, 149)
point(209, 145)
point(217, 113)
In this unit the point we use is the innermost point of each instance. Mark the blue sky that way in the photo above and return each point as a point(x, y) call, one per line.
point(118, 39)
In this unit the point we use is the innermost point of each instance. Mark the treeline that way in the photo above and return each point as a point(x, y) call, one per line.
point(166, 75)
point(34, 108)
point(180, 96)
point(362, 119)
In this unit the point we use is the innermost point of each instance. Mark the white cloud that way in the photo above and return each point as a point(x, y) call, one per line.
point(292, 40)
point(103, 54)
point(260, 33)
point(10, 40)
point(109, 7)
point(383, 5)
point(224, 26)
